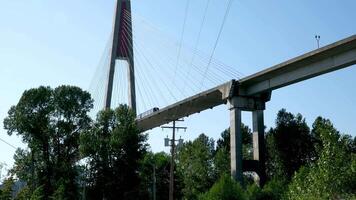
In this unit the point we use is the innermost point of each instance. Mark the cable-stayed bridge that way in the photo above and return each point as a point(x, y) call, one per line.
point(207, 82)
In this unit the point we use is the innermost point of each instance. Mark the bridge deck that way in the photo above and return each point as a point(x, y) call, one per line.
point(332, 57)
point(195, 104)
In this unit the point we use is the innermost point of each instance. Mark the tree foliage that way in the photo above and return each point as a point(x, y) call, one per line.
point(224, 189)
point(6, 192)
point(222, 152)
point(113, 147)
point(333, 175)
point(290, 145)
point(195, 164)
point(68, 156)
point(49, 121)
point(160, 162)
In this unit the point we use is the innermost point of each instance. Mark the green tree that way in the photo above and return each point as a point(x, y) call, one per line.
point(195, 164)
point(332, 176)
point(222, 152)
point(7, 189)
point(49, 122)
point(23, 194)
point(161, 163)
point(113, 147)
point(225, 189)
point(222, 162)
point(289, 145)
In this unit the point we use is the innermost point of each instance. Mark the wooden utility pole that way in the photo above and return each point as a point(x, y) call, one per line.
point(173, 147)
point(154, 182)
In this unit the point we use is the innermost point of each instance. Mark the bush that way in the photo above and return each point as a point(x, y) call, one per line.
point(254, 192)
point(275, 189)
point(224, 189)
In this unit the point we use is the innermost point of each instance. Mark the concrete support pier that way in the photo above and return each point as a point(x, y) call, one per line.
point(256, 105)
point(259, 144)
point(235, 140)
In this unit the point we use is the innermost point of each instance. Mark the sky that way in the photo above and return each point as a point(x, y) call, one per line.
point(48, 42)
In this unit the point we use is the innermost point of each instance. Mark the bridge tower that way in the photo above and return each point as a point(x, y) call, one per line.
point(122, 49)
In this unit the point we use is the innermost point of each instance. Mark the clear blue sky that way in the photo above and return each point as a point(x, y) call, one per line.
point(47, 42)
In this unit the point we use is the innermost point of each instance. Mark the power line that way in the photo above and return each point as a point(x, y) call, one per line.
point(8, 143)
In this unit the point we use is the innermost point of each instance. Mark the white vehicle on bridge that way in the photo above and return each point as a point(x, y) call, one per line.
point(146, 113)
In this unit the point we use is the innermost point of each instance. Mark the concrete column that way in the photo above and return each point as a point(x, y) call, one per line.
point(113, 55)
point(131, 87)
point(235, 141)
point(258, 143)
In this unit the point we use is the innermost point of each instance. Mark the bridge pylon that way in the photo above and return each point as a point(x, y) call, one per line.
point(122, 49)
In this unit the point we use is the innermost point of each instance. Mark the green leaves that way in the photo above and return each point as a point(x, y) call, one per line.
point(331, 176)
point(6, 190)
point(290, 145)
point(50, 122)
point(225, 189)
point(195, 163)
point(113, 147)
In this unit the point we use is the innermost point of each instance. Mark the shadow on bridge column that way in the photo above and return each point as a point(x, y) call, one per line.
point(235, 141)
point(259, 144)
point(256, 105)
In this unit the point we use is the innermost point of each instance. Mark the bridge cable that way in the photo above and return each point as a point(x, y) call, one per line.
point(212, 60)
point(182, 36)
point(217, 39)
point(196, 52)
point(126, 46)
point(198, 39)
point(198, 69)
point(135, 42)
point(98, 80)
point(157, 72)
point(158, 88)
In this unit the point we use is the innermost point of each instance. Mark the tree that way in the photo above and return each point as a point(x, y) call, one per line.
point(222, 152)
point(224, 141)
point(113, 147)
point(332, 176)
point(49, 122)
point(6, 191)
point(224, 189)
point(195, 164)
point(222, 162)
point(160, 162)
point(289, 145)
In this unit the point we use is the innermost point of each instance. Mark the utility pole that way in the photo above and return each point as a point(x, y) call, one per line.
point(173, 147)
point(154, 182)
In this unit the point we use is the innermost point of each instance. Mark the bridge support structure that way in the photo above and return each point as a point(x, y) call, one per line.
point(122, 49)
point(256, 105)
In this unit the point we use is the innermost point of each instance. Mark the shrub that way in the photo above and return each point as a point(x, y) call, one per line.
point(224, 189)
